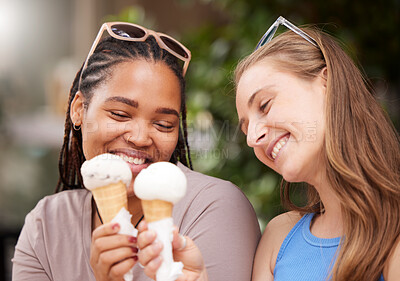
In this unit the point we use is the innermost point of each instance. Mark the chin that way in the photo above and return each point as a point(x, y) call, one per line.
point(291, 174)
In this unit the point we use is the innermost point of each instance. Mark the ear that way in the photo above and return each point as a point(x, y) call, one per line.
point(77, 109)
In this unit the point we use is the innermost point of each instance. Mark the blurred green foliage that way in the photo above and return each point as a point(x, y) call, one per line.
point(370, 29)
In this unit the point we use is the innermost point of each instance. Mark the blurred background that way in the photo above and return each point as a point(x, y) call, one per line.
point(44, 42)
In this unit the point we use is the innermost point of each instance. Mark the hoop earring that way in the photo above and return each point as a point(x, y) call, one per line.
point(76, 128)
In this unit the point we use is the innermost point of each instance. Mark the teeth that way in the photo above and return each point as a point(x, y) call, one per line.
point(132, 160)
point(278, 147)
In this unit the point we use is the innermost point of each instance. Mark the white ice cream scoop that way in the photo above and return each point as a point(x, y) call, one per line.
point(105, 169)
point(161, 181)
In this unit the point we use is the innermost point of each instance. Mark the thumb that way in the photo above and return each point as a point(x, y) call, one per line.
point(178, 241)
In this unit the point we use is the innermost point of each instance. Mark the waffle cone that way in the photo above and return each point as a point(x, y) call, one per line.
point(155, 210)
point(110, 199)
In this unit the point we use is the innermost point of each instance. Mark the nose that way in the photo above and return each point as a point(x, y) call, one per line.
point(256, 133)
point(139, 135)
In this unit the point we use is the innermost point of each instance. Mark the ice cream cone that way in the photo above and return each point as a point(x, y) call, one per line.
point(155, 210)
point(110, 199)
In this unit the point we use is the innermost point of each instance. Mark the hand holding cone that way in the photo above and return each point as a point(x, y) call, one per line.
point(160, 186)
point(107, 177)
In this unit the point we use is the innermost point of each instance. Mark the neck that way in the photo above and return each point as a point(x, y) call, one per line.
point(135, 208)
point(328, 224)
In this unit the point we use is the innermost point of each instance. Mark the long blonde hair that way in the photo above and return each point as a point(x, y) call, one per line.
point(362, 152)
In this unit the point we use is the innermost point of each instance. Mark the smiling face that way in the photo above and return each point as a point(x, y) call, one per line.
point(135, 114)
point(283, 118)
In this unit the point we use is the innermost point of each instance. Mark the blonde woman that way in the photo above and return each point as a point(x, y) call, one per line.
point(309, 115)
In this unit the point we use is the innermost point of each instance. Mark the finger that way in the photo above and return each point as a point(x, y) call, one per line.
point(105, 230)
point(107, 243)
point(178, 241)
point(149, 253)
point(115, 256)
point(119, 269)
point(102, 262)
point(145, 238)
point(142, 226)
point(152, 267)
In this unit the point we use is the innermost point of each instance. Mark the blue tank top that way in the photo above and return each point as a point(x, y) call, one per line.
point(304, 257)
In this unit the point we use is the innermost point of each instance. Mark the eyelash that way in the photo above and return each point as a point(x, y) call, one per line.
point(165, 127)
point(118, 115)
point(262, 107)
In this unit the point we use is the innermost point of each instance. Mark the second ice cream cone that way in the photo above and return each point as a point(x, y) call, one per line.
point(110, 199)
point(155, 210)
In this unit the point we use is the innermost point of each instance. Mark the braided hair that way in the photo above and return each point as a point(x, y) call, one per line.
point(109, 53)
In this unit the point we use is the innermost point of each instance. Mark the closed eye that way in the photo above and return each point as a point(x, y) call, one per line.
point(263, 106)
point(119, 115)
point(165, 126)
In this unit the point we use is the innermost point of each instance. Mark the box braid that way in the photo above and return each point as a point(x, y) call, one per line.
point(107, 55)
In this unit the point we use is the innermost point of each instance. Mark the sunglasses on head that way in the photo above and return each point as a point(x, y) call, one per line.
point(267, 37)
point(136, 33)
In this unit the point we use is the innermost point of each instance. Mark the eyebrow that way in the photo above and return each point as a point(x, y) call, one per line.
point(253, 97)
point(135, 104)
point(268, 88)
point(165, 110)
point(127, 101)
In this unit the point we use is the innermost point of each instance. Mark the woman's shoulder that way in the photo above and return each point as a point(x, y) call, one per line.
point(283, 223)
point(278, 228)
point(201, 180)
point(212, 200)
point(57, 222)
point(65, 202)
point(204, 185)
point(207, 192)
point(275, 233)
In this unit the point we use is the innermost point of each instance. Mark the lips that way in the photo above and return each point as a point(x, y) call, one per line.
point(133, 160)
point(137, 160)
point(276, 145)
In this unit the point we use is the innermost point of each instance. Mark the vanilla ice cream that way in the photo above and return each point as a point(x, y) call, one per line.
point(105, 169)
point(161, 181)
point(107, 177)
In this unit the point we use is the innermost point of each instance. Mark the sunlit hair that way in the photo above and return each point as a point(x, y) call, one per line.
point(361, 152)
point(108, 54)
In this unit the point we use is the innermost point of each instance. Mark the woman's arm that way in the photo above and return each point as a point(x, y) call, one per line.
point(26, 262)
